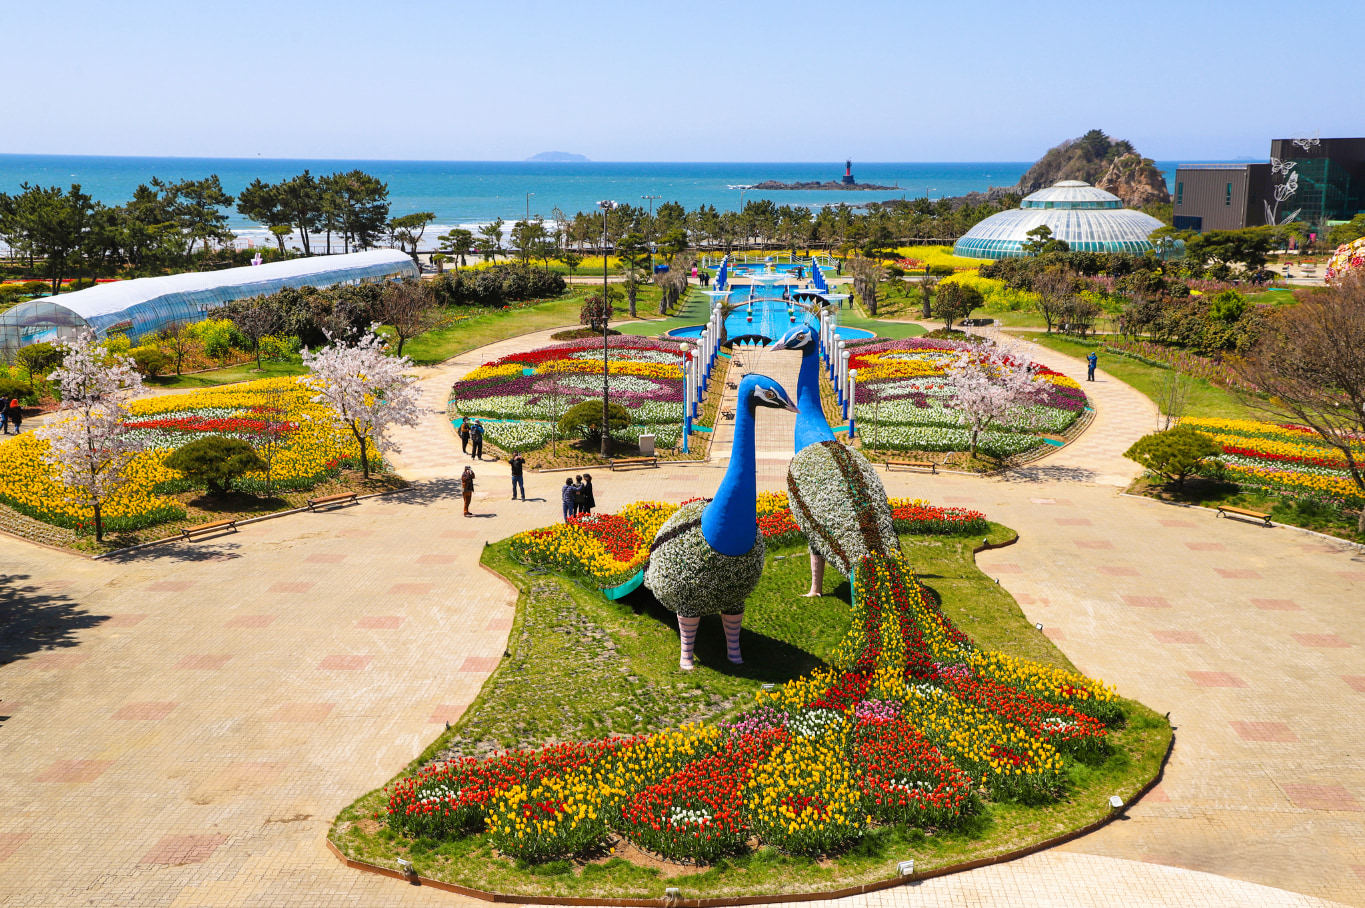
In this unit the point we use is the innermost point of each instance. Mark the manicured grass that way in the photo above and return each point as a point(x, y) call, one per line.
point(580, 665)
point(1205, 399)
point(230, 375)
point(1280, 297)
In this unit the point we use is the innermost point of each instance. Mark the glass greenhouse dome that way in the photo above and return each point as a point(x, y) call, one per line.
point(1088, 219)
point(143, 306)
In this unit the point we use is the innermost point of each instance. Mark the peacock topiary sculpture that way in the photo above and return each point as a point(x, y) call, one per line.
point(707, 558)
point(834, 493)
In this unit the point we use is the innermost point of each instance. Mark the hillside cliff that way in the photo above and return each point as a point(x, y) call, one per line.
point(1112, 165)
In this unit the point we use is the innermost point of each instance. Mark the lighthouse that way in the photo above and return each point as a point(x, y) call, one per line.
point(848, 173)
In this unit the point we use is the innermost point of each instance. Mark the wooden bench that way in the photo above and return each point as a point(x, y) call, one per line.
point(191, 532)
point(331, 501)
point(1226, 509)
point(913, 465)
point(633, 462)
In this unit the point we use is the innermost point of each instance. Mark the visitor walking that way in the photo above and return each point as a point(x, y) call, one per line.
point(16, 415)
point(518, 462)
point(476, 439)
point(464, 435)
point(467, 488)
point(4, 417)
point(566, 498)
point(1091, 362)
point(589, 502)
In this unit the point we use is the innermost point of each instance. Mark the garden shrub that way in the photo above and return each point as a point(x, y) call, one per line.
point(585, 420)
point(215, 461)
point(1175, 453)
point(150, 361)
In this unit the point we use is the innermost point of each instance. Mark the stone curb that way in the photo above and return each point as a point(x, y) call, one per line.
point(263, 517)
point(1285, 526)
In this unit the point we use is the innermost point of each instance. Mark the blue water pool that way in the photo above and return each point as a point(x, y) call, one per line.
point(691, 332)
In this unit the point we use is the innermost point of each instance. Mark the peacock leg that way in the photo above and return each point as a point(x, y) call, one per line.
point(817, 575)
point(687, 631)
point(732, 624)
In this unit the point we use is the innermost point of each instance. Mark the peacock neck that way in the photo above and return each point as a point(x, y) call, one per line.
point(811, 425)
point(730, 521)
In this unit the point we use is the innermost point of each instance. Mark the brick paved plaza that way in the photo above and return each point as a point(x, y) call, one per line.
point(182, 723)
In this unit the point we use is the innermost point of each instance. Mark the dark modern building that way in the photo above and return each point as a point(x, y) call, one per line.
point(1220, 196)
point(1328, 182)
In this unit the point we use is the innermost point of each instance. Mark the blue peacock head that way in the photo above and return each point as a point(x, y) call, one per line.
point(762, 391)
point(802, 337)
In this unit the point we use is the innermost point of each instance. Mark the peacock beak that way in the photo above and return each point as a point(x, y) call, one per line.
point(779, 345)
point(790, 405)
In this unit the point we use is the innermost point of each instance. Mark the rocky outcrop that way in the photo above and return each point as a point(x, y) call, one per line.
point(1111, 164)
point(830, 185)
point(1136, 180)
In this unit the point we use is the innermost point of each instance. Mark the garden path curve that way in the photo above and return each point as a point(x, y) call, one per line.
point(181, 724)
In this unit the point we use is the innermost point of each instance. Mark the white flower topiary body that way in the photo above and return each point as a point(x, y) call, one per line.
point(840, 504)
point(692, 579)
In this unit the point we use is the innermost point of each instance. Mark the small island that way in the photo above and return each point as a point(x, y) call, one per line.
point(813, 184)
point(847, 183)
point(558, 157)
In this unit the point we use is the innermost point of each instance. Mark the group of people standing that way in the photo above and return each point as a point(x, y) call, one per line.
point(471, 438)
point(576, 496)
point(11, 414)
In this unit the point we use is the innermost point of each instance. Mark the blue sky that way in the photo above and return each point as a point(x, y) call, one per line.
point(695, 81)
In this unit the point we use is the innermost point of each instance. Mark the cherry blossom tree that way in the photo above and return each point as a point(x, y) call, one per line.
point(989, 384)
point(366, 390)
point(90, 447)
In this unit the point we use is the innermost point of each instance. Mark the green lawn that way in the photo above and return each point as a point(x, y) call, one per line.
point(229, 375)
point(1205, 399)
point(1280, 297)
point(579, 665)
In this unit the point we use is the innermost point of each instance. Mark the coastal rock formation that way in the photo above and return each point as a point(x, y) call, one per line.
point(814, 184)
point(1111, 164)
point(1136, 180)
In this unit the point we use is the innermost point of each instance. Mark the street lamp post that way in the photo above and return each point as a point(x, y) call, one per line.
point(607, 207)
point(528, 206)
point(650, 199)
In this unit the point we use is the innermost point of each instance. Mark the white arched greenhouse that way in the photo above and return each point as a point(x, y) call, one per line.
point(1088, 218)
point(143, 306)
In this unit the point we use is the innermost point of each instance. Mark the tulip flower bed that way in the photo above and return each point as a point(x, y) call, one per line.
point(519, 396)
point(312, 451)
point(909, 741)
point(1284, 459)
point(904, 402)
point(608, 549)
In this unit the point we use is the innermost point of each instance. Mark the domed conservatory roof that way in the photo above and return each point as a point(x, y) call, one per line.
point(1086, 218)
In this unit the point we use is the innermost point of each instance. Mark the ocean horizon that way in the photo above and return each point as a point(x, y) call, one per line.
point(472, 193)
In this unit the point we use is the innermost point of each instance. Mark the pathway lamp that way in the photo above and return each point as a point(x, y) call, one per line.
point(607, 207)
point(689, 372)
point(852, 393)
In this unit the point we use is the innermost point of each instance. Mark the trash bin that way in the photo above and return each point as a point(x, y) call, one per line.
point(646, 445)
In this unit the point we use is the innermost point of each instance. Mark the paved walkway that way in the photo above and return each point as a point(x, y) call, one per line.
point(183, 724)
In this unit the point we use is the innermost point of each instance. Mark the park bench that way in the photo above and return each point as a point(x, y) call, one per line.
point(215, 526)
point(913, 465)
point(331, 501)
point(633, 462)
point(1226, 509)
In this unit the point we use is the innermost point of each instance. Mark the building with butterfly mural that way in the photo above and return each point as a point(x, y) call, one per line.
point(1315, 181)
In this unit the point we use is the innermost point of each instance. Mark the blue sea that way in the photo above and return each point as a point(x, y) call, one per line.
point(472, 193)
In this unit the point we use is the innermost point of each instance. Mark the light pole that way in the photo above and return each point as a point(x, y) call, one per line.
point(607, 207)
point(528, 206)
point(687, 397)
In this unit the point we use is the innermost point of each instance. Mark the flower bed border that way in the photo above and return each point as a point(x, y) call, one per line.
point(820, 896)
point(415, 879)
